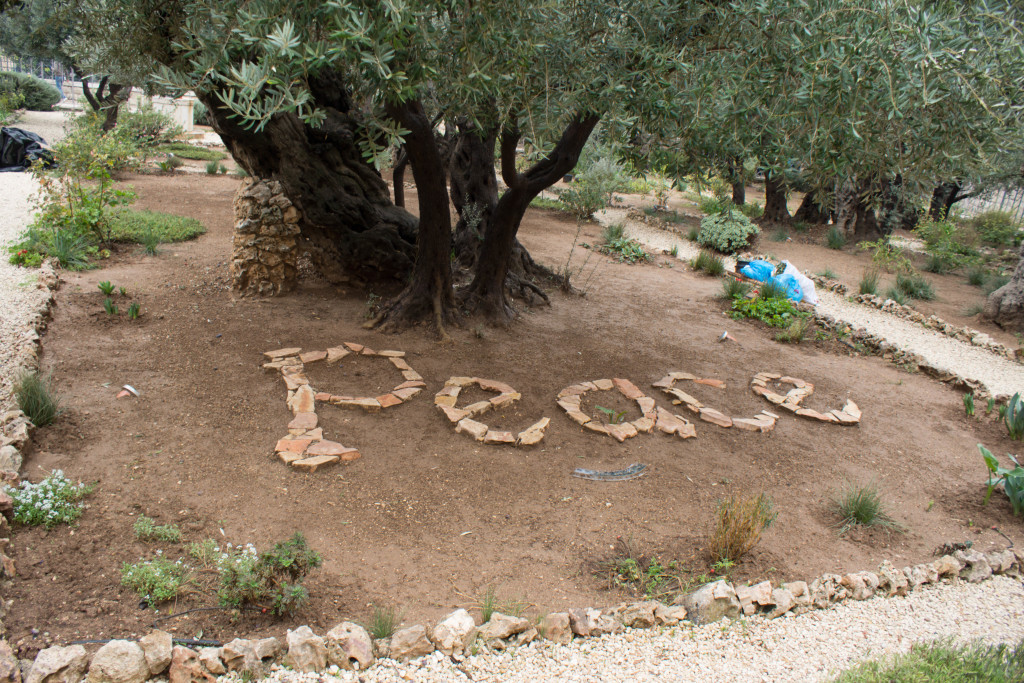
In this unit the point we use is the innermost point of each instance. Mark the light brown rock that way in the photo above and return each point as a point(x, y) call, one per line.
point(627, 388)
point(410, 642)
point(453, 414)
point(555, 627)
point(388, 400)
point(210, 658)
point(336, 353)
point(400, 363)
point(412, 376)
point(478, 408)
point(119, 661)
point(282, 353)
point(494, 385)
point(407, 393)
point(303, 401)
point(604, 384)
point(470, 426)
point(349, 646)
point(303, 422)
point(187, 668)
point(59, 665)
point(621, 432)
point(314, 463)
point(715, 417)
point(501, 626)
point(156, 647)
point(493, 437)
point(307, 651)
point(391, 354)
point(312, 356)
point(716, 383)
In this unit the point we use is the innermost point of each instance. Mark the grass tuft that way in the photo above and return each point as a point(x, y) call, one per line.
point(834, 239)
point(146, 529)
point(869, 282)
point(862, 506)
point(739, 522)
point(384, 621)
point(915, 286)
point(771, 290)
point(735, 289)
point(36, 398)
point(710, 263)
point(796, 331)
point(897, 295)
point(944, 662)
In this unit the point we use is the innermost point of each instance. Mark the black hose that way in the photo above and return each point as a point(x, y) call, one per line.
point(180, 641)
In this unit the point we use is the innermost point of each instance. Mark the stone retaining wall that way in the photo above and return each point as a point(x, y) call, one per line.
point(264, 261)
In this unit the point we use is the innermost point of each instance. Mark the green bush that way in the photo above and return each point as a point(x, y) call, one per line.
point(726, 232)
point(869, 282)
point(157, 580)
point(834, 239)
point(751, 210)
point(861, 505)
point(36, 398)
point(915, 286)
point(146, 529)
point(712, 205)
point(1012, 480)
point(897, 295)
point(997, 228)
point(10, 102)
point(54, 500)
point(951, 246)
point(735, 289)
point(275, 575)
point(593, 187)
point(775, 312)
point(35, 94)
point(142, 227)
point(709, 263)
point(146, 126)
point(545, 203)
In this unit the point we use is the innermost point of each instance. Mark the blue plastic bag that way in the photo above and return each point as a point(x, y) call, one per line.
point(791, 285)
point(761, 271)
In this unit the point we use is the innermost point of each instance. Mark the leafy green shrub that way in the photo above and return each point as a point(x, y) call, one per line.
point(194, 152)
point(726, 232)
point(915, 286)
point(36, 398)
point(944, 662)
point(10, 102)
point(626, 249)
point(211, 167)
point(35, 94)
point(54, 500)
point(735, 289)
point(751, 210)
point(869, 282)
point(1012, 480)
point(862, 505)
point(147, 126)
point(773, 311)
point(834, 238)
point(275, 575)
point(157, 580)
point(887, 256)
point(739, 522)
point(998, 228)
point(709, 263)
point(146, 529)
point(949, 245)
point(711, 206)
point(593, 187)
point(1014, 417)
point(169, 164)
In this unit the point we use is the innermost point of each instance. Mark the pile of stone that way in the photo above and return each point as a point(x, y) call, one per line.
point(463, 418)
point(570, 400)
point(265, 250)
point(348, 646)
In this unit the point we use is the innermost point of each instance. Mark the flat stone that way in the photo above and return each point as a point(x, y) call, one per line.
point(282, 364)
point(494, 385)
point(664, 383)
point(336, 353)
point(312, 356)
point(621, 432)
point(627, 388)
point(758, 382)
point(414, 384)
point(304, 421)
point(322, 396)
point(747, 424)
point(412, 376)
point(289, 458)
point(716, 383)
point(406, 394)
point(370, 404)
point(578, 416)
point(647, 405)
point(799, 383)
point(679, 376)
point(572, 390)
point(410, 642)
point(814, 414)
point(295, 381)
point(573, 401)
point(499, 437)
point(843, 418)
point(449, 391)
point(400, 363)
point(478, 408)
point(777, 399)
point(312, 464)
point(529, 437)
point(851, 409)
point(303, 401)
point(367, 351)
point(451, 412)
point(292, 445)
point(388, 400)
point(353, 347)
point(283, 353)
point(674, 424)
point(392, 354)
point(604, 384)
point(505, 399)
point(714, 417)
point(327, 448)
point(770, 414)
point(459, 381)
point(469, 426)
point(753, 597)
point(643, 424)
point(684, 397)
point(768, 375)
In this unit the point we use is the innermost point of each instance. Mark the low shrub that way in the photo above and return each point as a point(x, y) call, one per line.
point(797, 330)
point(384, 621)
point(868, 282)
point(545, 203)
point(994, 281)
point(36, 398)
point(593, 187)
point(772, 290)
point(735, 289)
point(272, 577)
point(976, 276)
point(10, 102)
point(157, 580)
point(998, 228)
point(147, 126)
point(726, 232)
point(739, 523)
point(950, 246)
point(861, 505)
point(915, 286)
point(774, 312)
point(712, 264)
point(834, 239)
point(146, 529)
point(626, 249)
point(33, 93)
point(641, 574)
point(54, 500)
point(200, 114)
point(129, 225)
point(711, 206)
point(944, 662)
point(780, 234)
point(751, 210)
point(897, 295)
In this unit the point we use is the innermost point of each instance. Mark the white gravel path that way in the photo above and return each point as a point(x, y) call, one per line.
point(997, 374)
point(810, 647)
point(19, 297)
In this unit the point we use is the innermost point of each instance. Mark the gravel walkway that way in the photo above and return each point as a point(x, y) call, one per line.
point(999, 375)
point(19, 297)
point(811, 647)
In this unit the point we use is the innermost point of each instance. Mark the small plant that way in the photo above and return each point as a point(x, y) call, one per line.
point(727, 232)
point(169, 164)
point(491, 603)
point(617, 244)
point(271, 579)
point(887, 256)
point(800, 226)
point(222, 169)
point(614, 417)
point(384, 622)
point(834, 239)
point(109, 306)
point(692, 234)
point(54, 500)
point(829, 274)
point(712, 264)
point(773, 311)
point(1012, 480)
point(106, 287)
point(969, 405)
point(146, 529)
point(976, 276)
point(994, 282)
point(771, 290)
point(212, 167)
point(972, 310)
point(944, 662)
point(780, 234)
point(796, 331)
point(862, 505)
point(641, 574)
point(739, 523)
point(674, 251)
point(70, 250)
point(1002, 412)
point(897, 295)
point(735, 289)
point(134, 311)
point(1013, 417)
point(998, 228)
point(157, 580)
point(936, 264)
point(869, 282)
point(711, 206)
point(187, 151)
point(36, 398)
point(751, 210)
point(240, 172)
point(122, 291)
point(990, 405)
point(206, 552)
point(915, 286)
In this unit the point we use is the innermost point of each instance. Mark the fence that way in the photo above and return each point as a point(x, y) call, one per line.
point(1010, 200)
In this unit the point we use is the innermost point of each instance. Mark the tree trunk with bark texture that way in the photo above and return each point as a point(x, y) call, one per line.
point(487, 294)
point(812, 212)
point(739, 193)
point(107, 99)
point(429, 294)
point(896, 212)
point(474, 188)
point(775, 209)
point(1005, 306)
point(944, 196)
point(398, 178)
point(348, 222)
point(855, 218)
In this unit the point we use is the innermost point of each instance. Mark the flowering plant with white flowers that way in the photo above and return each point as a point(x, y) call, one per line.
point(54, 500)
point(156, 580)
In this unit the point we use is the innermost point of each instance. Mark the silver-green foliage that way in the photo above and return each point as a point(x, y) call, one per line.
point(727, 232)
point(54, 500)
point(156, 580)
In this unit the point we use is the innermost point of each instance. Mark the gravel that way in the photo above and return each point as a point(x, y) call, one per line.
point(810, 647)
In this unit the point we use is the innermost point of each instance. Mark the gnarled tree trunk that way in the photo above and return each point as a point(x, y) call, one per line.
point(896, 212)
point(348, 220)
point(855, 218)
point(107, 99)
point(775, 209)
point(811, 211)
point(1005, 306)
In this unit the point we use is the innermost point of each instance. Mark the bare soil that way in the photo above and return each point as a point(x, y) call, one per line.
point(427, 519)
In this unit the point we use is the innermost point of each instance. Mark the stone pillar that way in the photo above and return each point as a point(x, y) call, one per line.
point(265, 250)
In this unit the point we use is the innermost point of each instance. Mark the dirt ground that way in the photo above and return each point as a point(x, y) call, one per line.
point(427, 519)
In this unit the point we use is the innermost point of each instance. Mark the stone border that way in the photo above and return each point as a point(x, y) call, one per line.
point(763, 422)
point(448, 396)
point(348, 645)
point(569, 400)
point(304, 447)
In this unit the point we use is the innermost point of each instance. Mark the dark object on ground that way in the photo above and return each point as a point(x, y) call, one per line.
point(20, 148)
point(632, 472)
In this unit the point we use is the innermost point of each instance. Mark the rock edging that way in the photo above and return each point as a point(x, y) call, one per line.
point(349, 646)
